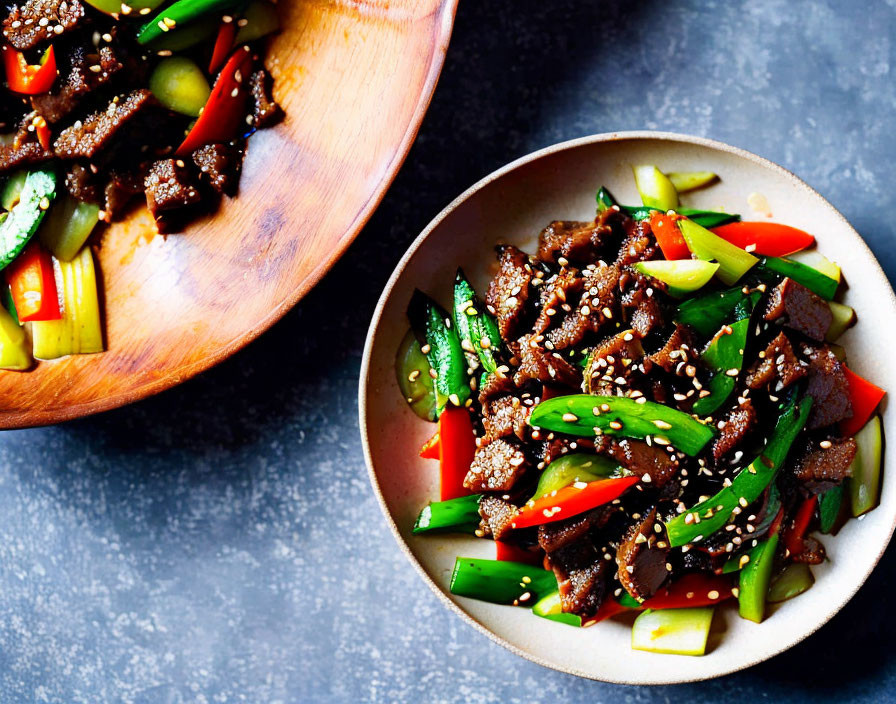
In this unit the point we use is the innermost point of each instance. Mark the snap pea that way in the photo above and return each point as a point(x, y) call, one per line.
point(412, 371)
point(707, 313)
point(460, 515)
point(476, 327)
point(182, 12)
point(500, 581)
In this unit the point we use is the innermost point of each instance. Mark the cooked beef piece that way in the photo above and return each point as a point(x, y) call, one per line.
point(813, 552)
point(23, 149)
point(613, 358)
point(536, 363)
point(79, 82)
point(38, 21)
point(555, 292)
point(640, 308)
point(640, 458)
point(509, 289)
point(169, 186)
point(505, 415)
point(738, 423)
point(495, 385)
point(496, 467)
point(121, 187)
point(582, 575)
point(82, 184)
point(778, 360)
point(680, 347)
point(264, 111)
point(219, 165)
point(560, 445)
point(598, 299)
point(828, 388)
point(497, 515)
point(577, 242)
point(642, 565)
point(83, 140)
point(820, 467)
point(559, 534)
point(799, 309)
point(639, 244)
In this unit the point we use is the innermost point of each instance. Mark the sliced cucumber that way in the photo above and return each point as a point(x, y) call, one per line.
point(815, 260)
point(864, 484)
point(673, 631)
point(654, 187)
point(23, 219)
point(682, 276)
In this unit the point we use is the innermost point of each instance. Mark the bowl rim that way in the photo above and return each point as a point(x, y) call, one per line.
point(374, 328)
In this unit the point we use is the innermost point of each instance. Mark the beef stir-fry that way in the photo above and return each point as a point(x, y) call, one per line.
point(104, 104)
point(650, 413)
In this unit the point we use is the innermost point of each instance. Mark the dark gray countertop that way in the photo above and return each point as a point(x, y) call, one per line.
point(220, 542)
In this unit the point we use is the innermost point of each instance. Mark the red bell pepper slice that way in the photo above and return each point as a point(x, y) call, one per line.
point(508, 552)
point(25, 78)
point(668, 236)
point(865, 398)
point(608, 609)
point(42, 130)
point(457, 444)
point(768, 238)
point(32, 284)
point(796, 530)
point(225, 109)
point(571, 501)
point(431, 448)
point(223, 45)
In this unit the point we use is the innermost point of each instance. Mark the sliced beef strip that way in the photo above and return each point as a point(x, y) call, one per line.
point(83, 184)
point(85, 139)
point(642, 564)
point(495, 385)
point(799, 309)
point(819, 467)
point(505, 415)
point(497, 515)
point(508, 291)
point(264, 110)
point(169, 186)
point(640, 307)
point(680, 347)
point(559, 445)
point(738, 423)
point(37, 22)
point(536, 363)
point(23, 149)
point(121, 187)
point(219, 165)
point(578, 242)
point(613, 358)
point(778, 360)
point(828, 387)
point(555, 292)
point(79, 82)
point(558, 534)
point(496, 467)
point(598, 298)
point(640, 458)
point(639, 244)
point(582, 574)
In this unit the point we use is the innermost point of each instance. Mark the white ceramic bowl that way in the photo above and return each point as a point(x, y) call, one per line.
point(513, 204)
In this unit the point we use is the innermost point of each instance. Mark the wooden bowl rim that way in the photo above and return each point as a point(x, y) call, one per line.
point(371, 339)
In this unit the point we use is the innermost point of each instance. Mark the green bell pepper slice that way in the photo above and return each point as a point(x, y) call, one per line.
point(711, 515)
point(499, 581)
point(477, 327)
point(460, 515)
point(440, 343)
point(586, 415)
point(754, 580)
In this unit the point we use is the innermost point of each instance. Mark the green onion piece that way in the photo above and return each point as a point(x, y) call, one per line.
point(500, 582)
point(733, 261)
point(585, 415)
point(460, 515)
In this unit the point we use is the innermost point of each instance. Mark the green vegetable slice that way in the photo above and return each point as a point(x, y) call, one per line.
point(654, 187)
point(22, 221)
point(476, 327)
point(460, 515)
point(682, 276)
point(685, 181)
point(576, 467)
point(733, 261)
point(550, 607)
point(817, 282)
point(180, 85)
point(754, 580)
point(67, 226)
point(673, 631)
point(843, 319)
point(707, 313)
point(500, 582)
point(793, 581)
point(829, 506)
point(605, 200)
point(585, 415)
point(412, 371)
point(261, 18)
point(182, 12)
point(864, 484)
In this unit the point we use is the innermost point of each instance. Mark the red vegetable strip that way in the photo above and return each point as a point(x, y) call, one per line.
point(769, 238)
point(571, 501)
point(25, 78)
point(796, 531)
point(32, 283)
point(608, 609)
point(865, 398)
point(668, 236)
point(42, 130)
point(223, 44)
point(226, 107)
point(457, 443)
point(508, 552)
point(431, 449)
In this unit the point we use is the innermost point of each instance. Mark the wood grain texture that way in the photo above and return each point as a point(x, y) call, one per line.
point(354, 79)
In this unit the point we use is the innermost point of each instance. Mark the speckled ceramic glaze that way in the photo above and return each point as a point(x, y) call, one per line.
point(512, 205)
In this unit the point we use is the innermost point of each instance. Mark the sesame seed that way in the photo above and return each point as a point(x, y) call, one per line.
point(570, 417)
point(825, 444)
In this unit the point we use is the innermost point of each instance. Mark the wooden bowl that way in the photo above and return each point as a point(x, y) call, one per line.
point(354, 79)
point(513, 204)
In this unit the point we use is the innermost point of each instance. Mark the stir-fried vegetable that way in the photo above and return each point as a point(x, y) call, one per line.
point(733, 261)
point(571, 501)
point(67, 226)
point(864, 397)
point(32, 283)
point(829, 506)
point(843, 318)
point(21, 222)
point(457, 443)
point(685, 181)
point(14, 352)
point(476, 327)
point(180, 85)
point(655, 188)
point(501, 582)
point(460, 515)
point(551, 607)
point(708, 313)
point(259, 20)
point(182, 12)
point(585, 415)
point(572, 468)
point(794, 579)
point(24, 78)
point(814, 280)
point(755, 577)
point(770, 239)
point(682, 276)
point(673, 631)
point(864, 484)
point(796, 530)
point(412, 371)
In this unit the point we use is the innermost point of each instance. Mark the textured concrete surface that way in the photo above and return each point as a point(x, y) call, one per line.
point(220, 543)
